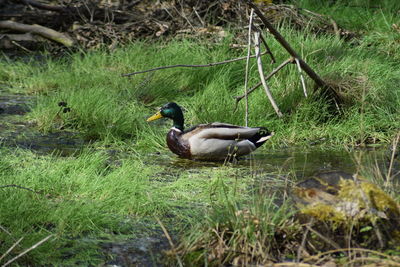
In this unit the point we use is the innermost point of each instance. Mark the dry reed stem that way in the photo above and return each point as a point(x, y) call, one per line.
point(303, 83)
point(4, 230)
point(11, 248)
point(171, 243)
point(246, 76)
point(294, 264)
point(394, 150)
point(261, 73)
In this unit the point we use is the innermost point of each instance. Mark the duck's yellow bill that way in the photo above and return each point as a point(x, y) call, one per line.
point(155, 117)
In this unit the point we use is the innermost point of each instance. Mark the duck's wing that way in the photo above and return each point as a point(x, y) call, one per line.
point(222, 131)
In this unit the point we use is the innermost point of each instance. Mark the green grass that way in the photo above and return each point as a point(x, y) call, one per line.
point(87, 196)
point(106, 106)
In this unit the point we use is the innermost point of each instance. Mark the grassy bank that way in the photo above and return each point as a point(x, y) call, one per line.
point(90, 196)
point(106, 106)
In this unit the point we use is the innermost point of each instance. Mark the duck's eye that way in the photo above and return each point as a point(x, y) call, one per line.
point(167, 112)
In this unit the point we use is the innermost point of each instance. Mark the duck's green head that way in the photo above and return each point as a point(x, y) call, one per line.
point(172, 111)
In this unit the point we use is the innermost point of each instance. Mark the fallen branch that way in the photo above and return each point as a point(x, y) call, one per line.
point(39, 30)
point(261, 72)
point(20, 187)
point(189, 66)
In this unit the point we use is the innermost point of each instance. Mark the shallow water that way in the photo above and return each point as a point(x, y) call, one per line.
point(17, 132)
point(303, 162)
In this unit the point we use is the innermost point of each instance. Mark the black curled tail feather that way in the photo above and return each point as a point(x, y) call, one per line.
point(262, 132)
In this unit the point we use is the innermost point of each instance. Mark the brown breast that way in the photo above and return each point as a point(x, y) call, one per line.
point(178, 145)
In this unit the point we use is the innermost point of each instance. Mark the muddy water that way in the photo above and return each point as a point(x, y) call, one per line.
point(16, 131)
point(300, 162)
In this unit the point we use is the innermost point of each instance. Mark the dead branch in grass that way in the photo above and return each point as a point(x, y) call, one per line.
point(20, 187)
point(189, 65)
point(261, 73)
point(246, 76)
point(11, 248)
point(27, 250)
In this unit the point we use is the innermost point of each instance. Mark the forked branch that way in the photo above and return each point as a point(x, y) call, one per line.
point(286, 45)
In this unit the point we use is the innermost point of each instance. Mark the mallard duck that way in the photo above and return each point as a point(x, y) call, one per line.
point(213, 141)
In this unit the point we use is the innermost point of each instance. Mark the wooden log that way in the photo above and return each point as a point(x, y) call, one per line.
point(39, 30)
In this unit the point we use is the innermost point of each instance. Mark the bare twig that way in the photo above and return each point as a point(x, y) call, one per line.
point(27, 250)
point(272, 73)
point(266, 45)
point(21, 46)
point(11, 248)
point(169, 241)
point(198, 16)
point(303, 242)
point(20, 187)
point(261, 72)
point(189, 66)
point(246, 77)
point(301, 77)
point(394, 148)
point(4, 230)
point(324, 238)
point(335, 27)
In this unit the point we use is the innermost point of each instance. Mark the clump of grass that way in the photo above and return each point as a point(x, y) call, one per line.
point(240, 234)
